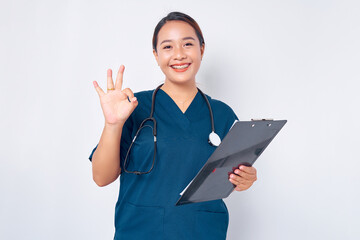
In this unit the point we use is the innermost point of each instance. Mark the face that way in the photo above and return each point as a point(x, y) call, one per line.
point(179, 52)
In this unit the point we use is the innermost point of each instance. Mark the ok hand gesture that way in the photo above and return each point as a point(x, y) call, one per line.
point(117, 104)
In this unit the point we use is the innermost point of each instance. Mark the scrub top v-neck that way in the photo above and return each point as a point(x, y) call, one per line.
point(146, 204)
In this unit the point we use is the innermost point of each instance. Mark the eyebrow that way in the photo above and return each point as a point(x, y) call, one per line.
point(185, 38)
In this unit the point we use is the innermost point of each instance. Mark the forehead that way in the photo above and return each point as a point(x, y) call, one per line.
point(174, 30)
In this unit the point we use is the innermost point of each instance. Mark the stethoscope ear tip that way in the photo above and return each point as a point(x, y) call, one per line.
point(214, 139)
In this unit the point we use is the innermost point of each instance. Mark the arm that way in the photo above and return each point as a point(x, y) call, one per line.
point(106, 158)
point(117, 106)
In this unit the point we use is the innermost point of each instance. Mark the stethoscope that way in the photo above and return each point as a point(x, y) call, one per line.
point(214, 139)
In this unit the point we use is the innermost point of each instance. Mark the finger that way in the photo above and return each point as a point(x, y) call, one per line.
point(110, 83)
point(237, 180)
point(249, 170)
point(234, 182)
point(134, 102)
point(245, 175)
point(241, 187)
point(119, 77)
point(98, 89)
point(128, 92)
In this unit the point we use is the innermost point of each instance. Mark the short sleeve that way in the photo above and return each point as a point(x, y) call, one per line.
point(234, 115)
point(92, 152)
point(231, 118)
point(125, 140)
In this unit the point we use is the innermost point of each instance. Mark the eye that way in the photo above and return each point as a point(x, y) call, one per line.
point(167, 47)
point(189, 44)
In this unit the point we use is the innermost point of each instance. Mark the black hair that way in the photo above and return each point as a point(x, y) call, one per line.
point(179, 17)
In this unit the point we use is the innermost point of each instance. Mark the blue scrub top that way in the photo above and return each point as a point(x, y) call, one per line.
point(146, 205)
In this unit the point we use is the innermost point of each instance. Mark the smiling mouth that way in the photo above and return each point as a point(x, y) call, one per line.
point(180, 67)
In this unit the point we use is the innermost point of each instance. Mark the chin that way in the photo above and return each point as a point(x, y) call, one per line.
point(180, 80)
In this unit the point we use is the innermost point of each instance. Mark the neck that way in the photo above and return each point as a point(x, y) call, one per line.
point(180, 92)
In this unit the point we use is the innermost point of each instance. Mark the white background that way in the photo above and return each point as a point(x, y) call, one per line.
point(284, 59)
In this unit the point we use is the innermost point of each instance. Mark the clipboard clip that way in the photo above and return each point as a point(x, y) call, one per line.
point(262, 119)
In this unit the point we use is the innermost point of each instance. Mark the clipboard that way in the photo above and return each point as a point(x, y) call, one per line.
point(244, 143)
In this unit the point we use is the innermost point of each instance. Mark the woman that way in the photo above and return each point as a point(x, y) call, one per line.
point(146, 204)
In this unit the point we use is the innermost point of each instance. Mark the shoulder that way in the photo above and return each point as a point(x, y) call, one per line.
point(144, 98)
point(220, 107)
point(143, 108)
point(144, 95)
point(224, 116)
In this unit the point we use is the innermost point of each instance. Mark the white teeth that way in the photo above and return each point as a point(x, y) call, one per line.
point(181, 66)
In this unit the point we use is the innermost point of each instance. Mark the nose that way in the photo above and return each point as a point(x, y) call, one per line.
point(179, 54)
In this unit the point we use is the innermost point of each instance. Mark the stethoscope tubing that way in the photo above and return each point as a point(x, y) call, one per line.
point(151, 118)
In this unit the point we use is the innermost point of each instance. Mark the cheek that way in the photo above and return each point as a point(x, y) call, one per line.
point(197, 60)
point(196, 56)
point(163, 63)
point(163, 60)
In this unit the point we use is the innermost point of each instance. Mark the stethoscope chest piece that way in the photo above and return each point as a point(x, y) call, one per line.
point(214, 139)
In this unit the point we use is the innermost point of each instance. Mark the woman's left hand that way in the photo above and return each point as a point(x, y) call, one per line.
point(243, 178)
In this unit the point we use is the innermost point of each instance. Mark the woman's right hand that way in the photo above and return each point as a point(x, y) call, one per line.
point(115, 104)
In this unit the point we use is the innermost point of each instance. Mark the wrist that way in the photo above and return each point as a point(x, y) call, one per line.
point(114, 126)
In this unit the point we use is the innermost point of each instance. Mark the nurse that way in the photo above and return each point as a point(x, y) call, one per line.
point(146, 204)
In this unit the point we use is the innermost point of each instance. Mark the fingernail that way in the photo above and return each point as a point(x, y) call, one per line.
point(237, 171)
point(232, 176)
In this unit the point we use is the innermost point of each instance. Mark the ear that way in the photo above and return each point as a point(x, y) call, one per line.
point(202, 49)
point(156, 56)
